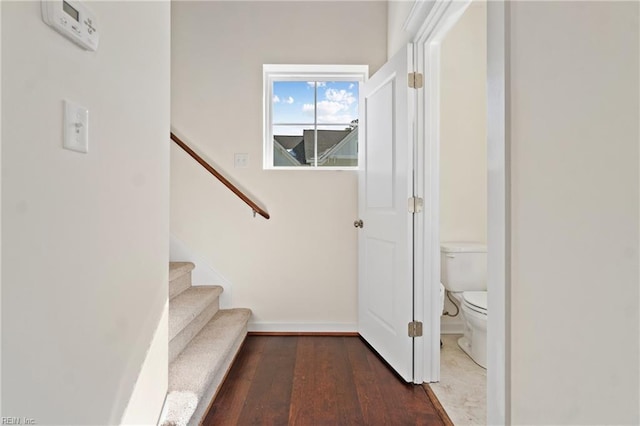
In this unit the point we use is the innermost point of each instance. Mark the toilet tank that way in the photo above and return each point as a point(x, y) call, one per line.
point(463, 266)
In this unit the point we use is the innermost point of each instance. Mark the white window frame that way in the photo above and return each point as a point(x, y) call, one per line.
point(283, 72)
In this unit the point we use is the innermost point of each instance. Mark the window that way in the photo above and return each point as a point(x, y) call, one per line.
point(311, 116)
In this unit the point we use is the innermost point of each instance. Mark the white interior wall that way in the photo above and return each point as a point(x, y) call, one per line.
point(574, 191)
point(463, 135)
point(463, 128)
point(297, 270)
point(85, 236)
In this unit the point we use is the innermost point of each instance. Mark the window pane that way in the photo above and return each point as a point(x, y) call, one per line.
point(337, 102)
point(289, 145)
point(338, 146)
point(303, 111)
point(293, 102)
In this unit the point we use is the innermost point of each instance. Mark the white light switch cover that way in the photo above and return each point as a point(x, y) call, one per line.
point(76, 127)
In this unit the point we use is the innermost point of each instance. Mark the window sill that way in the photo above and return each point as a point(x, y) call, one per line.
point(333, 169)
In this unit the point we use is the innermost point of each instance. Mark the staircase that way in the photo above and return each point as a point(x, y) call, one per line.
point(203, 341)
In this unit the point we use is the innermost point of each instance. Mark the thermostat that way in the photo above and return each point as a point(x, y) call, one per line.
point(74, 20)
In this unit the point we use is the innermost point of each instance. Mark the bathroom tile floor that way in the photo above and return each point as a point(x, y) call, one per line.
point(462, 390)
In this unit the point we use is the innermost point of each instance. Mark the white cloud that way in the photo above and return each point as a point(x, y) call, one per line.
point(276, 99)
point(351, 86)
point(326, 108)
point(336, 107)
point(320, 83)
point(331, 107)
point(328, 116)
point(341, 96)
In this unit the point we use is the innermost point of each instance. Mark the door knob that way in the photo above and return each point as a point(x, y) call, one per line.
point(358, 223)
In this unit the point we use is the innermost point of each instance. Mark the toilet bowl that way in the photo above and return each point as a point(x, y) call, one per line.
point(474, 313)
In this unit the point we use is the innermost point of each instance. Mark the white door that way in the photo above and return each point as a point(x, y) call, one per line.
point(385, 291)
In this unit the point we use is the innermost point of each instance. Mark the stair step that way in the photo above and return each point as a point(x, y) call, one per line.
point(189, 312)
point(197, 373)
point(188, 305)
point(179, 277)
point(176, 269)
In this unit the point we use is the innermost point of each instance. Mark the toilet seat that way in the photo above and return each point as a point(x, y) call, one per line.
point(476, 301)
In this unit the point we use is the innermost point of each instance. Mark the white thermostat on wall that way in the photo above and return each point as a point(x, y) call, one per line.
point(74, 20)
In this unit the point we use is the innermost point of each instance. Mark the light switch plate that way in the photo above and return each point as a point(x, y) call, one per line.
point(76, 127)
point(240, 161)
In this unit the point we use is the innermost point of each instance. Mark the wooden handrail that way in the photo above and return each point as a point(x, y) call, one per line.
point(256, 208)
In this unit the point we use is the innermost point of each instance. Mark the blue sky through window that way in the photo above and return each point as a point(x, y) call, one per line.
point(293, 103)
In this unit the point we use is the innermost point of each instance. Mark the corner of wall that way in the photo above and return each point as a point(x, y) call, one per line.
point(150, 390)
point(0, 206)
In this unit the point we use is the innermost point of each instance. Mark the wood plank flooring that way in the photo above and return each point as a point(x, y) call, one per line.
point(316, 380)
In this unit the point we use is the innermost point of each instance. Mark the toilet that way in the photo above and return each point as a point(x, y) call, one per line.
point(463, 271)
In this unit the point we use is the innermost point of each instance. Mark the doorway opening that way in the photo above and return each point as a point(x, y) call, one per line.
point(439, 21)
point(401, 158)
point(462, 227)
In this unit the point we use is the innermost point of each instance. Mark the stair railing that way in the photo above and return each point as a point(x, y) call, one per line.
point(240, 194)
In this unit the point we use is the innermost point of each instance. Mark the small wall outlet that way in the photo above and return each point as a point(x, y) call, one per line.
point(240, 161)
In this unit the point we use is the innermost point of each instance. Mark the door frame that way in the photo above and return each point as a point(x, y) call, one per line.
point(430, 21)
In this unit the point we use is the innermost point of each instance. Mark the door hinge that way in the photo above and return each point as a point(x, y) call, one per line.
point(415, 329)
point(415, 204)
point(415, 80)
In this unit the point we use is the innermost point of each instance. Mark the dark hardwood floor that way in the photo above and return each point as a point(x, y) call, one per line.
point(316, 380)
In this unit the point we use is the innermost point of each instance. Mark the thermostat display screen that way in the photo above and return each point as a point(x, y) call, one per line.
point(70, 10)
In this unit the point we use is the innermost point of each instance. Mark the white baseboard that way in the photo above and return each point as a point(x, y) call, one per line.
point(451, 328)
point(288, 327)
point(277, 327)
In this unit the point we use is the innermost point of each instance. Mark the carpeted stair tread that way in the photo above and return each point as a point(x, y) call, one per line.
point(195, 367)
point(188, 305)
point(177, 269)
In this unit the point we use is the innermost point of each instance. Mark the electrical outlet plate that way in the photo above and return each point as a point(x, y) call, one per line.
point(240, 161)
point(76, 127)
